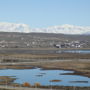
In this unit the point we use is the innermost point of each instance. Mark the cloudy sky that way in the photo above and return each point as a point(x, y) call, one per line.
point(44, 13)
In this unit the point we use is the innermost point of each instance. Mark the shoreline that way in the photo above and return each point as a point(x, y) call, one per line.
point(39, 65)
point(32, 65)
point(79, 63)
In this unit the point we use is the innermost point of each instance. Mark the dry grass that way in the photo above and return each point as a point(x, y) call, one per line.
point(6, 80)
point(46, 56)
point(81, 67)
point(55, 80)
point(26, 84)
point(37, 84)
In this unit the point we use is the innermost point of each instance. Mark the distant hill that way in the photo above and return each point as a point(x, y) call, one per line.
point(42, 40)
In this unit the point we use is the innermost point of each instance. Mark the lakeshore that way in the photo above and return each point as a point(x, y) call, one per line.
point(79, 63)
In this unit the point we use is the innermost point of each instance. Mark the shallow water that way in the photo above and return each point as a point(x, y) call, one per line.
point(74, 51)
point(44, 77)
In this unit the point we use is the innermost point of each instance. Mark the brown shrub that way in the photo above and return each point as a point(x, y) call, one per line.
point(37, 84)
point(55, 80)
point(26, 84)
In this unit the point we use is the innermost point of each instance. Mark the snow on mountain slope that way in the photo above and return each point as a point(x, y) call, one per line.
point(63, 29)
point(12, 27)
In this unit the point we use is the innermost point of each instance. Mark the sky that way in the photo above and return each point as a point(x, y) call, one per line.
point(45, 13)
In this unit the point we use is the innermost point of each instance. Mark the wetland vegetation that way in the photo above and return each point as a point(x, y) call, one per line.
point(77, 63)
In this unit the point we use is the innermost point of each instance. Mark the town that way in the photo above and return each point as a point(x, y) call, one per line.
point(18, 40)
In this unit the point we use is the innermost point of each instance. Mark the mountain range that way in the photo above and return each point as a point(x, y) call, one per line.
point(63, 29)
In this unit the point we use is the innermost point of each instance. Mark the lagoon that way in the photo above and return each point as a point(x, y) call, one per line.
point(45, 76)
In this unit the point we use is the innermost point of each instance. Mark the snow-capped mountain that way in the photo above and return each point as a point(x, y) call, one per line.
point(12, 27)
point(63, 29)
